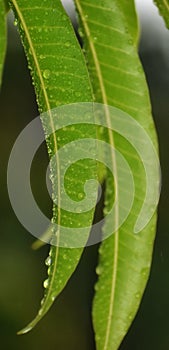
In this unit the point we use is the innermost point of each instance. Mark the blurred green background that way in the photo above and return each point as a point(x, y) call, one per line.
point(68, 324)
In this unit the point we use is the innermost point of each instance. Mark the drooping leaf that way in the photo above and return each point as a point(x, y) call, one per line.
point(60, 77)
point(163, 6)
point(2, 37)
point(110, 35)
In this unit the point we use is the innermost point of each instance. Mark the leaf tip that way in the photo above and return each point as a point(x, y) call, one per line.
point(25, 330)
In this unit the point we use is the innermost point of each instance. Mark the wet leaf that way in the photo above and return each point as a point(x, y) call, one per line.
point(110, 35)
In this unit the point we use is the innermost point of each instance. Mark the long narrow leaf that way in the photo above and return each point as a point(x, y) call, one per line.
point(60, 77)
point(110, 34)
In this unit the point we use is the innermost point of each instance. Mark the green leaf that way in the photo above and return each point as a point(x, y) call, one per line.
point(3, 37)
point(110, 33)
point(60, 77)
point(163, 6)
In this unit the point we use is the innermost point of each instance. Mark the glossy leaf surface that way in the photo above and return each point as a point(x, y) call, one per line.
point(110, 34)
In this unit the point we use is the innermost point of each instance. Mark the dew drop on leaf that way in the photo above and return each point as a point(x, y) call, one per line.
point(40, 312)
point(42, 301)
point(46, 283)
point(48, 261)
point(15, 22)
point(30, 51)
point(137, 295)
point(67, 43)
point(41, 57)
point(46, 73)
point(81, 33)
point(80, 195)
point(98, 270)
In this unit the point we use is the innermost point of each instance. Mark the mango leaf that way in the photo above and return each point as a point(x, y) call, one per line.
point(163, 6)
point(60, 77)
point(2, 37)
point(109, 31)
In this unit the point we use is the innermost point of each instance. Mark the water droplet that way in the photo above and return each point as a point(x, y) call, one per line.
point(30, 52)
point(48, 261)
point(49, 270)
point(53, 298)
point(98, 270)
point(67, 43)
point(80, 195)
point(137, 295)
point(46, 283)
point(46, 73)
point(95, 38)
point(81, 33)
point(15, 22)
point(42, 301)
point(54, 240)
point(40, 312)
point(145, 271)
point(41, 57)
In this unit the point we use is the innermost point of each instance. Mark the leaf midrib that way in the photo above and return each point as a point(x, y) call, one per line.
point(111, 140)
point(54, 137)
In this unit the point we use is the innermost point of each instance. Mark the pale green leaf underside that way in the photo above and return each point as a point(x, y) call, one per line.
point(2, 37)
point(110, 35)
point(60, 77)
point(163, 6)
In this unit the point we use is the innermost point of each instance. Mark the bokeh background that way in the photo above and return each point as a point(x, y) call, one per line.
point(68, 324)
